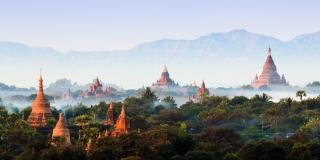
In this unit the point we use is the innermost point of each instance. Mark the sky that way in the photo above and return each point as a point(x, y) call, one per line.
point(85, 25)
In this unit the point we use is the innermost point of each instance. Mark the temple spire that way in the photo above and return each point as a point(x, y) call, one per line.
point(109, 115)
point(41, 112)
point(165, 68)
point(122, 125)
point(269, 50)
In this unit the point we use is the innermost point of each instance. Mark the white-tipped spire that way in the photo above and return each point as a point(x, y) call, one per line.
point(165, 68)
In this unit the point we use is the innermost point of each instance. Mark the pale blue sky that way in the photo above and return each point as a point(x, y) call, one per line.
point(104, 24)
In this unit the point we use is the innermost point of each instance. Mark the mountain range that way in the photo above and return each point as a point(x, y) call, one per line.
point(221, 59)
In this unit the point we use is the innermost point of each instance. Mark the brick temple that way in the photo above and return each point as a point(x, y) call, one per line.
point(41, 112)
point(165, 80)
point(269, 76)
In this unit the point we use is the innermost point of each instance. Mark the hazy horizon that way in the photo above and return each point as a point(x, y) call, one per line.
point(121, 25)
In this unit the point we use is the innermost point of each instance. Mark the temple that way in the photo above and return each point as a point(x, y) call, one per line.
point(165, 80)
point(122, 124)
point(203, 90)
point(61, 130)
point(269, 76)
point(95, 89)
point(41, 112)
point(109, 115)
point(68, 96)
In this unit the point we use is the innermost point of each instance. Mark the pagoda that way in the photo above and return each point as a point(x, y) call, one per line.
point(203, 90)
point(61, 130)
point(109, 115)
point(165, 80)
point(122, 124)
point(269, 76)
point(41, 112)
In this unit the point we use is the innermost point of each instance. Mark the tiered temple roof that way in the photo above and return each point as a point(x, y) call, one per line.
point(61, 130)
point(41, 112)
point(109, 115)
point(165, 80)
point(122, 125)
point(269, 75)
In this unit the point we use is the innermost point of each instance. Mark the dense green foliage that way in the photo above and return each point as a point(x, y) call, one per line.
point(218, 128)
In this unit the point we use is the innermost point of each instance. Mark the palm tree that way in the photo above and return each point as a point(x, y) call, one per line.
point(149, 95)
point(301, 94)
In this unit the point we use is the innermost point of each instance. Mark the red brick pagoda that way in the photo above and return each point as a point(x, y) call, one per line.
point(61, 130)
point(203, 90)
point(269, 76)
point(165, 80)
point(41, 112)
point(109, 115)
point(122, 124)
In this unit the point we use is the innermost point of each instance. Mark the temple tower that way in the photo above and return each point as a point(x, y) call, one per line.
point(165, 80)
point(41, 112)
point(269, 75)
point(61, 130)
point(109, 115)
point(203, 90)
point(122, 124)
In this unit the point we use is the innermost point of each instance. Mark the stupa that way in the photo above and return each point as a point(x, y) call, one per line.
point(109, 115)
point(203, 90)
point(165, 80)
point(61, 130)
point(122, 124)
point(41, 112)
point(269, 76)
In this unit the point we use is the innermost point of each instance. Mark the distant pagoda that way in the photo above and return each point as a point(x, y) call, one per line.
point(269, 76)
point(61, 130)
point(203, 90)
point(41, 112)
point(165, 80)
point(95, 89)
point(109, 116)
point(122, 124)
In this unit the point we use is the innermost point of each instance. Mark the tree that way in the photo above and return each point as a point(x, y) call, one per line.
point(199, 155)
point(301, 94)
point(300, 152)
point(225, 138)
point(149, 95)
point(311, 127)
point(170, 101)
point(82, 121)
point(262, 150)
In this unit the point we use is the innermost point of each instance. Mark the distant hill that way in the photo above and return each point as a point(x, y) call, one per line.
point(4, 87)
point(222, 59)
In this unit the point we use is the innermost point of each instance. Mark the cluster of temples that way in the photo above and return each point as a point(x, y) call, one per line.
point(41, 114)
point(95, 90)
point(269, 76)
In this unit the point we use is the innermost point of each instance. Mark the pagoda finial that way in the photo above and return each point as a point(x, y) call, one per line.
point(269, 50)
point(203, 85)
point(40, 83)
point(123, 113)
point(165, 68)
